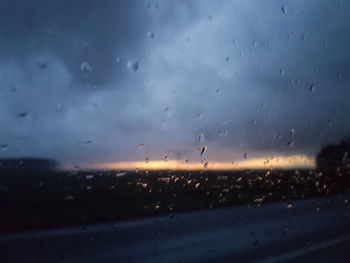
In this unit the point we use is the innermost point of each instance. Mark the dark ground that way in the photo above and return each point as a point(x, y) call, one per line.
point(32, 200)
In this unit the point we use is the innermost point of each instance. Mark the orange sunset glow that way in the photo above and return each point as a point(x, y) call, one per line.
point(276, 162)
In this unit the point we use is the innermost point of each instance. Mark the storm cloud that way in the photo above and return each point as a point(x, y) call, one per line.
point(100, 81)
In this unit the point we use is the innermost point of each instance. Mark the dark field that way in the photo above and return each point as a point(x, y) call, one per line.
point(32, 200)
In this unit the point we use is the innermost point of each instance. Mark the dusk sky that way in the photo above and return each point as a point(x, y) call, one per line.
point(90, 82)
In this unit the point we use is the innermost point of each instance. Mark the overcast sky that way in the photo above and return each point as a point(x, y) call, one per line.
point(100, 81)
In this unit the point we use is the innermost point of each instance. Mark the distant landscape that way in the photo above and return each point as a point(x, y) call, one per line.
point(45, 198)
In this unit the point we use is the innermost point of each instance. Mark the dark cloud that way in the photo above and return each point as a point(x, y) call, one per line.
point(242, 73)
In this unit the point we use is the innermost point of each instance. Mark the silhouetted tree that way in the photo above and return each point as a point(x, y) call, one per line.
point(334, 156)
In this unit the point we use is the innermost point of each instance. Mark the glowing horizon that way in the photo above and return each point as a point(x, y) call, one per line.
point(276, 162)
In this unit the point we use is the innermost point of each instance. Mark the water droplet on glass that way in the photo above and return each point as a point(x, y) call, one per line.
point(205, 165)
point(218, 91)
point(166, 158)
point(290, 144)
point(133, 65)
point(141, 146)
point(290, 205)
point(291, 132)
point(245, 155)
point(89, 177)
point(4, 147)
point(284, 9)
point(24, 116)
point(118, 59)
point(146, 160)
point(85, 67)
point(253, 122)
point(312, 88)
point(223, 133)
point(204, 149)
point(167, 111)
point(227, 59)
point(150, 34)
point(210, 17)
point(42, 64)
point(201, 137)
point(121, 174)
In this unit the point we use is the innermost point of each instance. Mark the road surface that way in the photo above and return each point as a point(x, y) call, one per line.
point(316, 230)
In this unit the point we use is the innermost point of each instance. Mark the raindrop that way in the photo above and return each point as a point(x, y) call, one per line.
point(245, 155)
point(141, 145)
point(22, 114)
point(85, 67)
point(204, 149)
point(166, 158)
point(118, 59)
point(88, 188)
point(290, 205)
point(200, 116)
point(227, 59)
point(284, 9)
point(133, 65)
point(290, 144)
point(4, 147)
point(201, 137)
point(205, 165)
point(223, 133)
point(89, 177)
point(210, 17)
point(150, 34)
point(58, 107)
point(253, 122)
point(146, 160)
point(312, 88)
point(167, 111)
point(291, 132)
point(121, 174)
point(218, 91)
point(87, 142)
point(42, 64)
